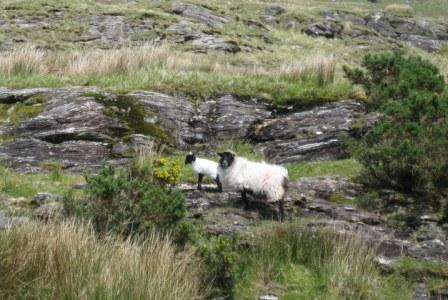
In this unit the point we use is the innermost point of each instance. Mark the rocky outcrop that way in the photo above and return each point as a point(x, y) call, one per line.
point(110, 30)
point(307, 135)
point(426, 35)
point(199, 13)
point(73, 130)
point(80, 127)
point(184, 33)
point(325, 28)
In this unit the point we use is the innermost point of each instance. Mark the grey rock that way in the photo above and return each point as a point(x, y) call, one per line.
point(425, 43)
point(432, 250)
point(43, 197)
point(423, 34)
point(112, 30)
point(325, 28)
point(430, 232)
point(308, 135)
point(8, 96)
point(4, 220)
point(323, 187)
point(274, 10)
point(292, 25)
point(49, 211)
point(199, 13)
point(421, 292)
point(268, 297)
point(384, 263)
point(379, 21)
point(27, 154)
point(393, 248)
point(173, 113)
point(185, 33)
point(344, 17)
point(272, 20)
point(232, 118)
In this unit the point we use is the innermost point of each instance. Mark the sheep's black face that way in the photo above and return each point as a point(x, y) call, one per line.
point(226, 159)
point(190, 158)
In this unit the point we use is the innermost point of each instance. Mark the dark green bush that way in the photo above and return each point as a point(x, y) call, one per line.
point(406, 149)
point(395, 77)
point(126, 202)
point(218, 257)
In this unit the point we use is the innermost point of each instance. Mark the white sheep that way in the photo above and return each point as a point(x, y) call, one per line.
point(258, 178)
point(203, 167)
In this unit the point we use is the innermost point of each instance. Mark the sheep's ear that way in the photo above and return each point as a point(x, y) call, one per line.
point(221, 154)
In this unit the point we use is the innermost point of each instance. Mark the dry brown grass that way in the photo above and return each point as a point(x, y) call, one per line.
point(127, 60)
point(402, 10)
point(322, 67)
point(67, 261)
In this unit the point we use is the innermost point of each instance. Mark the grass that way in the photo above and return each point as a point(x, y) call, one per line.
point(434, 274)
point(401, 10)
point(346, 168)
point(295, 262)
point(162, 69)
point(28, 185)
point(67, 261)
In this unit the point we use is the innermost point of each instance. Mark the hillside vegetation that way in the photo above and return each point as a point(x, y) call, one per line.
point(101, 100)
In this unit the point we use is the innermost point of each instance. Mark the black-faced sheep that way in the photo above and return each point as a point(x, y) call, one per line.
point(203, 167)
point(257, 178)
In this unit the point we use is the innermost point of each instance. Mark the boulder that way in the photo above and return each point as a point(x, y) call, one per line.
point(325, 28)
point(307, 135)
point(108, 31)
point(430, 232)
point(49, 211)
point(43, 197)
point(185, 33)
point(199, 13)
point(274, 10)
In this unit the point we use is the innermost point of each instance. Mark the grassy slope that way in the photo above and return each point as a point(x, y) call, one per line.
point(285, 48)
point(295, 279)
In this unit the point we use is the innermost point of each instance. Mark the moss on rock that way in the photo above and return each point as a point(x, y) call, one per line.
point(17, 112)
point(133, 114)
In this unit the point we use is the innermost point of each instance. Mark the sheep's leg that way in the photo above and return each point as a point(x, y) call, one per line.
point(281, 211)
point(200, 177)
point(218, 182)
point(245, 200)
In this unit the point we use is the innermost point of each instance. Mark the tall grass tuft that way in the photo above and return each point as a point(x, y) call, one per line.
point(67, 261)
point(26, 60)
point(340, 263)
point(320, 68)
point(401, 10)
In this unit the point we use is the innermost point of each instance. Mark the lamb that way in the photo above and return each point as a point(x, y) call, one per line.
point(258, 178)
point(203, 167)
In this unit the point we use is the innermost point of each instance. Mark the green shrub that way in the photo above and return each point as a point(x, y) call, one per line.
point(395, 77)
point(370, 201)
point(218, 257)
point(125, 201)
point(406, 149)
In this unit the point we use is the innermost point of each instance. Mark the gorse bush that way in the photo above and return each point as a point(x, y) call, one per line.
point(395, 77)
point(406, 149)
point(126, 201)
point(218, 256)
